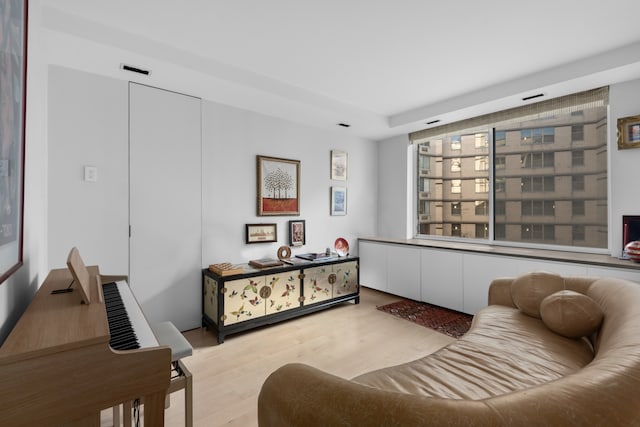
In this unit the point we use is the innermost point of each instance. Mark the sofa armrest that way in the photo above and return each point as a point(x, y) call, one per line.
point(300, 395)
point(500, 292)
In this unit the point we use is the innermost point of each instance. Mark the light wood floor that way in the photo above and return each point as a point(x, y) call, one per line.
point(346, 340)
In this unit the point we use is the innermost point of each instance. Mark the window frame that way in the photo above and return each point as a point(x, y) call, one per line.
point(545, 134)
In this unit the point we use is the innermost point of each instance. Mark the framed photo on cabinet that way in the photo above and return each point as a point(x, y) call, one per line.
point(278, 182)
point(338, 165)
point(338, 200)
point(297, 233)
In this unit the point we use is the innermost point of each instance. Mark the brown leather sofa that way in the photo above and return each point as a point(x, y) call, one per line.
point(510, 369)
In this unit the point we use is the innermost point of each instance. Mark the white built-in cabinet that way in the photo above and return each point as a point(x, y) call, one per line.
point(441, 282)
point(373, 265)
point(393, 269)
point(455, 279)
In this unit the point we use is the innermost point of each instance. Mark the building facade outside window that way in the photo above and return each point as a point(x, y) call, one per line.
point(539, 180)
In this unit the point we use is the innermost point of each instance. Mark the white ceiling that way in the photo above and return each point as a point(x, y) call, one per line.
point(383, 66)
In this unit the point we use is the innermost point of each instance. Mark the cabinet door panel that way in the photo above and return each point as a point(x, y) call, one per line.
point(242, 300)
point(210, 295)
point(345, 279)
point(316, 284)
point(441, 278)
point(403, 273)
point(373, 265)
point(283, 292)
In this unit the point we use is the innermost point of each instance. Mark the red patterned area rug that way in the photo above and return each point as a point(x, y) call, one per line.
point(449, 322)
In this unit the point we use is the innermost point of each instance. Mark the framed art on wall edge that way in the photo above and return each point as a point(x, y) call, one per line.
point(629, 132)
point(13, 71)
point(278, 186)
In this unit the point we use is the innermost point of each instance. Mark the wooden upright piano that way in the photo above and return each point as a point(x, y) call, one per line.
point(57, 366)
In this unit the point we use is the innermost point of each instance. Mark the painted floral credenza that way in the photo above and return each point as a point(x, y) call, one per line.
point(260, 297)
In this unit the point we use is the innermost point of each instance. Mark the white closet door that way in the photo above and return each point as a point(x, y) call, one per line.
point(165, 202)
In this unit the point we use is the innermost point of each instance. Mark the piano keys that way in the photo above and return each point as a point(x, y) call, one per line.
point(58, 368)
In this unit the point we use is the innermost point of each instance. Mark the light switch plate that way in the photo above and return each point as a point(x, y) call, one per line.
point(90, 174)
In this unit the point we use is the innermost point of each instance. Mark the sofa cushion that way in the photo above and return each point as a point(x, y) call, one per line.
point(571, 314)
point(530, 289)
point(505, 351)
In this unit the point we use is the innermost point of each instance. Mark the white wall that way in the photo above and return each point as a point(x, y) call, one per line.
point(623, 101)
point(624, 200)
point(88, 116)
point(88, 126)
point(394, 188)
point(231, 140)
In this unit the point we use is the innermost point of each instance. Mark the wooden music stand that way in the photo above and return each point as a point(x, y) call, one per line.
point(80, 274)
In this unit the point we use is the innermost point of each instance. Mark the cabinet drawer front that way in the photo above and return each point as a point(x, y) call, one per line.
point(210, 296)
point(283, 292)
point(346, 278)
point(316, 284)
point(242, 300)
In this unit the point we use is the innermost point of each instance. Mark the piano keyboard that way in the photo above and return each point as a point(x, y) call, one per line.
point(128, 327)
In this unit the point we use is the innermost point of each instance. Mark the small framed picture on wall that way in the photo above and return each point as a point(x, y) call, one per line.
point(261, 233)
point(297, 233)
point(338, 165)
point(338, 200)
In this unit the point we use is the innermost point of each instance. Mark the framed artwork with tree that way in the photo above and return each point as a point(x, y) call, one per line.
point(278, 186)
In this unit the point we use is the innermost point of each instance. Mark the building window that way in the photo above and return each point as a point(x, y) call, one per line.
point(424, 185)
point(482, 185)
point(538, 232)
point(456, 186)
point(424, 164)
point(538, 208)
point(577, 158)
point(455, 143)
point(482, 231)
point(577, 133)
point(481, 140)
point(482, 208)
point(537, 160)
point(482, 163)
point(537, 136)
point(532, 184)
point(542, 183)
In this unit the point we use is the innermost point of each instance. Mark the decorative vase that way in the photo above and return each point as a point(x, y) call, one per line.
point(632, 249)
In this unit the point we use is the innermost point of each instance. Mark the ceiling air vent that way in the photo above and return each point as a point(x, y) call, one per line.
point(526, 98)
point(135, 69)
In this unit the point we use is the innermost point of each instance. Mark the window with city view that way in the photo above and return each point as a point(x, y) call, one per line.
point(531, 180)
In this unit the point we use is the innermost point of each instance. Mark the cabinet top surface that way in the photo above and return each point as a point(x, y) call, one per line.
point(298, 264)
